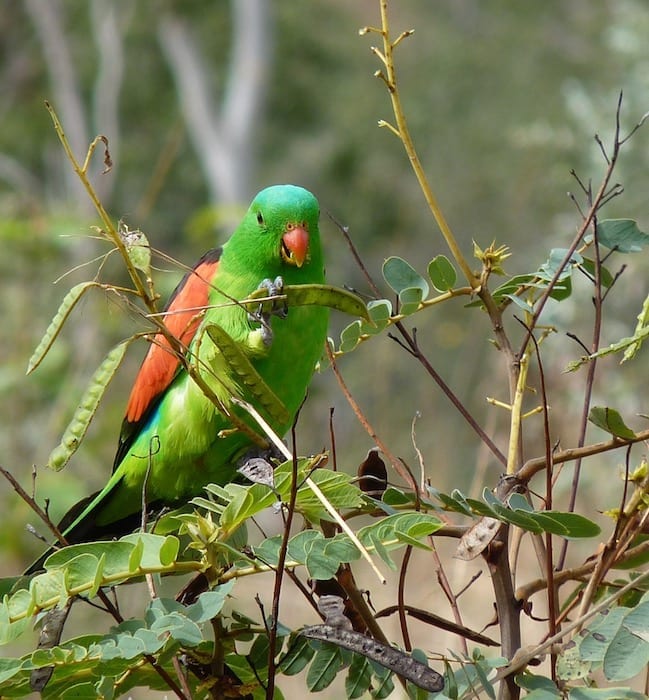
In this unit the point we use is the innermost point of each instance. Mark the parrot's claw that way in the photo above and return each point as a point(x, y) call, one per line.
point(264, 312)
point(257, 466)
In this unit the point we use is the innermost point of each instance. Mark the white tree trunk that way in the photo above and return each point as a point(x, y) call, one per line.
point(223, 136)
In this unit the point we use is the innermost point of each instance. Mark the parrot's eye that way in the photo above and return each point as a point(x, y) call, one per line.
point(260, 218)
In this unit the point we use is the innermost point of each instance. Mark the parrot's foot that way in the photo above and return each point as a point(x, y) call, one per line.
point(256, 466)
point(268, 309)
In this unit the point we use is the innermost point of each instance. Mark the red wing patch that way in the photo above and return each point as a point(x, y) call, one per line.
point(182, 320)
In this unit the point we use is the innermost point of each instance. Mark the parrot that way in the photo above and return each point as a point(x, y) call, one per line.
point(175, 440)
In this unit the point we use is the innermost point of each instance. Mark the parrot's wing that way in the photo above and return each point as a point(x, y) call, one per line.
point(161, 363)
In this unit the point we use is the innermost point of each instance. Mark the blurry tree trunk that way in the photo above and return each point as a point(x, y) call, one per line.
point(223, 136)
point(82, 122)
point(107, 22)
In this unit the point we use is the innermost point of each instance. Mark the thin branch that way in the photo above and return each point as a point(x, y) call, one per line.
point(522, 659)
point(403, 133)
point(279, 572)
point(589, 384)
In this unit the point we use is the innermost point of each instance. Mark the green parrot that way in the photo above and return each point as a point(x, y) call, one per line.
point(172, 442)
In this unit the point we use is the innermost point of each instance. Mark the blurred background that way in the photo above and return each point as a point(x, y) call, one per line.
point(204, 103)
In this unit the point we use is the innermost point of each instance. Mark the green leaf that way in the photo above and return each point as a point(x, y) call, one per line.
point(138, 249)
point(395, 497)
point(442, 273)
point(268, 551)
point(326, 554)
point(399, 529)
point(641, 325)
point(484, 681)
point(350, 336)
point(521, 518)
point(622, 235)
point(9, 668)
point(626, 656)
point(87, 407)
point(61, 316)
point(324, 668)
point(401, 275)
point(410, 300)
point(569, 525)
point(529, 681)
point(245, 501)
point(520, 513)
point(598, 635)
point(152, 548)
point(522, 304)
point(380, 311)
point(298, 655)
point(605, 277)
point(637, 621)
point(605, 694)
point(610, 420)
point(358, 678)
point(570, 665)
point(563, 286)
point(630, 345)
point(518, 502)
point(300, 545)
point(336, 486)
point(517, 288)
point(549, 268)
point(179, 627)
point(512, 285)
point(320, 566)
point(383, 683)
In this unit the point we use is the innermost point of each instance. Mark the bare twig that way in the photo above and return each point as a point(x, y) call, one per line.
point(388, 76)
point(279, 572)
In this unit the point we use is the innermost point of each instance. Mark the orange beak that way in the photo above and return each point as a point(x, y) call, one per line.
point(295, 245)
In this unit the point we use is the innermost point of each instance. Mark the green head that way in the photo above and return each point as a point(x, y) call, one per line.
point(279, 235)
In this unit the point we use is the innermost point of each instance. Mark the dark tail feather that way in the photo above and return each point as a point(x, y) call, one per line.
point(77, 529)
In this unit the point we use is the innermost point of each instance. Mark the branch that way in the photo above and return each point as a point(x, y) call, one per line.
point(402, 132)
point(521, 660)
point(532, 466)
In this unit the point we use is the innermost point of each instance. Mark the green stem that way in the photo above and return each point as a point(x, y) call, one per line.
point(403, 133)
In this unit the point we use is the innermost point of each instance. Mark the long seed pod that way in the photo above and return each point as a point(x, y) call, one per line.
point(246, 374)
point(87, 408)
point(389, 657)
point(61, 316)
point(317, 295)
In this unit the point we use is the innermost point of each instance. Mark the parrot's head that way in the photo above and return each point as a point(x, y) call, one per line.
point(280, 233)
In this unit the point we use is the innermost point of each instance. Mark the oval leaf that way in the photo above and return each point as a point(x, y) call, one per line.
point(139, 250)
point(622, 234)
point(350, 336)
point(610, 420)
point(380, 311)
point(409, 300)
point(442, 273)
point(401, 275)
